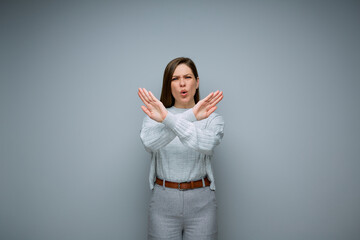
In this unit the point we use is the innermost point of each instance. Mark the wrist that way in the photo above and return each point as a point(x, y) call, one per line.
point(195, 113)
point(164, 115)
point(189, 115)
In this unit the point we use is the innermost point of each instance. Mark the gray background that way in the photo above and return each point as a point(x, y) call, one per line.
point(72, 163)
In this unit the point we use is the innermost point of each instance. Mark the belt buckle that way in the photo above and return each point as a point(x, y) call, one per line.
point(179, 187)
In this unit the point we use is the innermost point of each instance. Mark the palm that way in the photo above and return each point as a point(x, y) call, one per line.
point(154, 110)
point(153, 107)
point(206, 106)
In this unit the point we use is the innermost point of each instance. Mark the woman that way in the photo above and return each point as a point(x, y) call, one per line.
point(181, 132)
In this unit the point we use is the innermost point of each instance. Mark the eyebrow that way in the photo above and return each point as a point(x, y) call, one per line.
point(183, 75)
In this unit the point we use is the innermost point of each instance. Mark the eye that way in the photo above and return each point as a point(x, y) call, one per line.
point(188, 77)
point(174, 79)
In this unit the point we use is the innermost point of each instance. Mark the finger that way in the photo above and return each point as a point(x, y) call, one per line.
point(208, 97)
point(211, 110)
point(141, 95)
point(214, 100)
point(146, 95)
point(217, 100)
point(144, 101)
point(145, 110)
point(216, 94)
point(152, 96)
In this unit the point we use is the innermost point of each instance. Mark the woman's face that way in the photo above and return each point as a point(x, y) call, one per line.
point(183, 86)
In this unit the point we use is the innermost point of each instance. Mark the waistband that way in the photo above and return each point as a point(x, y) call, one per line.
point(205, 182)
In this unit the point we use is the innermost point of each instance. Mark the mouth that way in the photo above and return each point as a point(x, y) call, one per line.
point(183, 93)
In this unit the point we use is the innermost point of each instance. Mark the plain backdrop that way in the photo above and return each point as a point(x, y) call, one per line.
point(73, 166)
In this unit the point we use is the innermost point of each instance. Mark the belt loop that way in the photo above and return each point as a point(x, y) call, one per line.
point(164, 184)
point(192, 184)
point(203, 181)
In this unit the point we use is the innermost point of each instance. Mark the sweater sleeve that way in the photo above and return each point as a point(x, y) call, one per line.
point(202, 140)
point(155, 135)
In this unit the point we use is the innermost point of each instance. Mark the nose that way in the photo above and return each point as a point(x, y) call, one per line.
point(182, 82)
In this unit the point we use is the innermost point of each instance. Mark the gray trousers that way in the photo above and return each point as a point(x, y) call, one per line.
point(177, 215)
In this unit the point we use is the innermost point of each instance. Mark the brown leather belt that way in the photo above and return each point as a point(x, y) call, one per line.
point(184, 185)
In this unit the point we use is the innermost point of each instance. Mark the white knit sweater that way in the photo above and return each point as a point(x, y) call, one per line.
point(182, 147)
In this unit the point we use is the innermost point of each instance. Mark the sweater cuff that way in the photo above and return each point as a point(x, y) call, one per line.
point(189, 115)
point(170, 120)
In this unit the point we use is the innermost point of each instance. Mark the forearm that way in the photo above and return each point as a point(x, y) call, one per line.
point(199, 139)
point(155, 135)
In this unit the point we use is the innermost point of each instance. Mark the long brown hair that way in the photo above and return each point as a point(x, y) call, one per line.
point(166, 96)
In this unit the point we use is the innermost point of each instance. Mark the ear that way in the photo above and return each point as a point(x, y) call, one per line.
point(197, 82)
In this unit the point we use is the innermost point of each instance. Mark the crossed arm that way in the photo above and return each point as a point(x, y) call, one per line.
point(160, 126)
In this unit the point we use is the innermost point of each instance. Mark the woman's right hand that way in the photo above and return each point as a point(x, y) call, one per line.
point(206, 106)
point(154, 108)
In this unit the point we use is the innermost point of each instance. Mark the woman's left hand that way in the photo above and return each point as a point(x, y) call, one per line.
point(207, 106)
point(154, 108)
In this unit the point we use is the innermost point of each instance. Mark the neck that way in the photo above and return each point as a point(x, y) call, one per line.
point(184, 105)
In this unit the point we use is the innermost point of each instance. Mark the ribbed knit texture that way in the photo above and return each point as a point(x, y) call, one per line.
point(181, 146)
